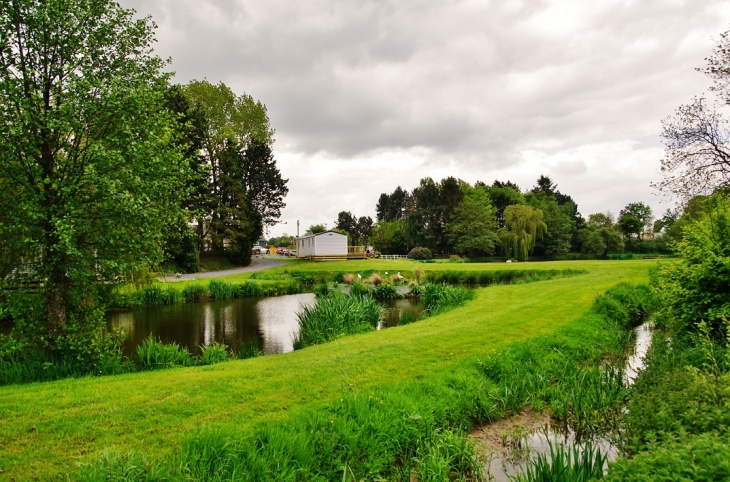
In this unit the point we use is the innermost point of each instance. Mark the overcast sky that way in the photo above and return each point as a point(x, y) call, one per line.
point(368, 95)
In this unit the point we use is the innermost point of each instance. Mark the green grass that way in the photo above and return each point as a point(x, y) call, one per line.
point(49, 428)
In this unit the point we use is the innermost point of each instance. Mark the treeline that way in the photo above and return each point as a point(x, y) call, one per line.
point(455, 217)
point(235, 189)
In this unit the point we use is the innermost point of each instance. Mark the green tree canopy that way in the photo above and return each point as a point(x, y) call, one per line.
point(523, 225)
point(90, 164)
point(472, 228)
point(389, 237)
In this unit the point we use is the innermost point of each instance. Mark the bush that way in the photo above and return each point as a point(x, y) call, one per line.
point(385, 291)
point(376, 279)
point(420, 254)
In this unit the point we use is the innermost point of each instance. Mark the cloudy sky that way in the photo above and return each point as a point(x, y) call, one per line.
point(368, 95)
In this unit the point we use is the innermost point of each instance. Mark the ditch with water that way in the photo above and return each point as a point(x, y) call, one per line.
point(510, 444)
point(271, 322)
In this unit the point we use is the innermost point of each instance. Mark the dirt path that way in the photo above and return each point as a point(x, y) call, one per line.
point(257, 264)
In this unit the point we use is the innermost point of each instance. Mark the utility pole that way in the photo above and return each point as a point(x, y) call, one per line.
point(298, 240)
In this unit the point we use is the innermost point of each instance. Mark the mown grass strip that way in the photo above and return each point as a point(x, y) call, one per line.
point(77, 420)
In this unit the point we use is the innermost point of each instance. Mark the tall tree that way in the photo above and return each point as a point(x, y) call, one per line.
point(90, 166)
point(503, 194)
point(237, 119)
point(472, 227)
point(264, 186)
point(523, 226)
point(391, 207)
point(697, 137)
point(635, 218)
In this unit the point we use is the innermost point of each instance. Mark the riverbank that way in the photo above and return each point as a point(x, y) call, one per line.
point(52, 427)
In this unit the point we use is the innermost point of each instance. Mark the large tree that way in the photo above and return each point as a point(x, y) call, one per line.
point(523, 226)
point(697, 137)
point(90, 170)
point(472, 228)
point(240, 121)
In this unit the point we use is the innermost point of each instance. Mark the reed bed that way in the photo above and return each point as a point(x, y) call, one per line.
point(336, 315)
point(486, 278)
point(576, 463)
point(438, 298)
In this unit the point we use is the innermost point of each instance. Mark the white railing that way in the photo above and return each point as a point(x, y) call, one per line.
point(393, 256)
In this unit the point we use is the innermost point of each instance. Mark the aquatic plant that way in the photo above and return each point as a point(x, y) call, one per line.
point(385, 291)
point(221, 290)
point(153, 354)
point(249, 349)
point(212, 354)
point(335, 315)
point(195, 292)
point(577, 463)
point(437, 298)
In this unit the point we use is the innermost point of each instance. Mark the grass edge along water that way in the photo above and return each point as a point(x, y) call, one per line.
point(390, 433)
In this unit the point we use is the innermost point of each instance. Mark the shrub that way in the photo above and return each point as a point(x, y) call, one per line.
point(348, 278)
point(420, 254)
point(385, 291)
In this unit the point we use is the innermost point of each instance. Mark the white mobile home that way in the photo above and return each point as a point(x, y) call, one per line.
point(327, 245)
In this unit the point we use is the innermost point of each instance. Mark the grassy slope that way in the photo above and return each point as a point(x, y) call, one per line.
point(47, 428)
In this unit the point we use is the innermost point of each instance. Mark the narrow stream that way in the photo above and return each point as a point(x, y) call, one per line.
point(513, 442)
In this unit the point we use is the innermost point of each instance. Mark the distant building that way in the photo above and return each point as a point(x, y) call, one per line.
point(327, 245)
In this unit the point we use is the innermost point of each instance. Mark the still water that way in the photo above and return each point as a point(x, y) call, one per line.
point(271, 321)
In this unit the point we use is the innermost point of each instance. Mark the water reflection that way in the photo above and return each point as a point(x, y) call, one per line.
point(271, 321)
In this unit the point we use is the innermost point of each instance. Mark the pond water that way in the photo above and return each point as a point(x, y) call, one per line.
point(511, 443)
point(271, 321)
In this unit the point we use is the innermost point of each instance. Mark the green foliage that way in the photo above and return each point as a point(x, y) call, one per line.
point(486, 278)
point(385, 291)
point(438, 298)
point(626, 305)
point(420, 253)
point(221, 290)
point(194, 292)
point(389, 237)
point(561, 465)
point(249, 349)
point(212, 354)
point(91, 168)
point(153, 354)
point(696, 287)
point(681, 459)
point(336, 315)
point(472, 226)
point(523, 226)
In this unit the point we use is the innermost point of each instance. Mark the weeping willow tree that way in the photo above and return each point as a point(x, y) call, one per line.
point(523, 225)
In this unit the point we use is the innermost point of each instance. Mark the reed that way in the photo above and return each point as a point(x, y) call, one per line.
point(438, 298)
point(221, 290)
point(212, 354)
point(336, 315)
point(560, 465)
point(249, 349)
point(152, 354)
point(192, 293)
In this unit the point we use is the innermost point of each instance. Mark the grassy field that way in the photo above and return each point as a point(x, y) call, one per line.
point(47, 429)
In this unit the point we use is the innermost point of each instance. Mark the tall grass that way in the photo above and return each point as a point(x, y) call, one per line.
point(336, 315)
point(212, 354)
point(194, 292)
point(560, 465)
point(249, 349)
point(486, 278)
point(153, 354)
point(221, 290)
point(438, 298)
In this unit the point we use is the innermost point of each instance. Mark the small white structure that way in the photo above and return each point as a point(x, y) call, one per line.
point(327, 245)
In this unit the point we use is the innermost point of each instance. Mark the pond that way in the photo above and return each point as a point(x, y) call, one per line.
point(271, 321)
